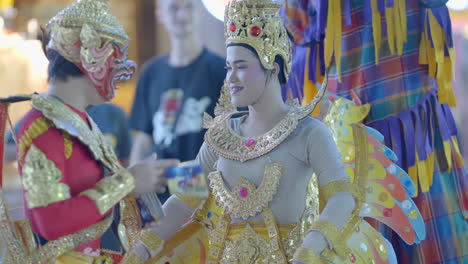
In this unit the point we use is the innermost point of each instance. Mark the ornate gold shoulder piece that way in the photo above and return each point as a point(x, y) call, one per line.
point(300, 112)
point(223, 108)
point(67, 120)
point(224, 105)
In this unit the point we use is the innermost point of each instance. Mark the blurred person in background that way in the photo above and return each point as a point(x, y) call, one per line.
point(175, 90)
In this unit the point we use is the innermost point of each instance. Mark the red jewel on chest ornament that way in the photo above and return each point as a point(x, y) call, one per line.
point(249, 142)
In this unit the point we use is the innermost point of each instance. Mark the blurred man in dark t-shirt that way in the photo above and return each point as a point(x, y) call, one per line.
point(176, 89)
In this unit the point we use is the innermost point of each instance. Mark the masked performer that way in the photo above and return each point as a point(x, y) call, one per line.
point(71, 178)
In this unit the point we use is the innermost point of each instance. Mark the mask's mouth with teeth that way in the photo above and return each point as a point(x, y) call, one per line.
point(123, 73)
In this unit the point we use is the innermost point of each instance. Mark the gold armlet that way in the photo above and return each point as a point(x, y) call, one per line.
point(132, 258)
point(151, 240)
point(111, 190)
point(193, 201)
point(152, 243)
point(334, 237)
point(307, 256)
point(341, 186)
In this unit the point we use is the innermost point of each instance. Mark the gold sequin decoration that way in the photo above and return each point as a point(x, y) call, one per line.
point(95, 13)
point(16, 249)
point(130, 222)
point(242, 18)
point(248, 248)
point(256, 200)
point(151, 240)
point(277, 254)
point(111, 190)
point(227, 143)
point(67, 120)
point(26, 234)
point(50, 251)
point(41, 180)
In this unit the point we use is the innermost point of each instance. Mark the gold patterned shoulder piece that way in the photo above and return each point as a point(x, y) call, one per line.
point(300, 112)
point(41, 180)
point(13, 248)
point(223, 108)
point(245, 200)
point(67, 120)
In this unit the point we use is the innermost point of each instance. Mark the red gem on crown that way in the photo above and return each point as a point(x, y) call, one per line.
point(255, 31)
point(232, 27)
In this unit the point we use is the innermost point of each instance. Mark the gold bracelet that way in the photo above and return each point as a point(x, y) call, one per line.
point(151, 240)
point(132, 258)
point(110, 190)
point(307, 256)
point(338, 186)
point(334, 237)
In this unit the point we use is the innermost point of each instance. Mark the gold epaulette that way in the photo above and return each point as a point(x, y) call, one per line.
point(37, 128)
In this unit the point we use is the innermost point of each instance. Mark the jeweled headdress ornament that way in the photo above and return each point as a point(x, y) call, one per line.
point(89, 35)
point(84, 20)
point(257, 24)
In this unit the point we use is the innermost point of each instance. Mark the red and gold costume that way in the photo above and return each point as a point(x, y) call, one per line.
point(71, 178)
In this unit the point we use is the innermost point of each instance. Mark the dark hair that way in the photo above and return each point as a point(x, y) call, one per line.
point(60, 68)
point(278, 59)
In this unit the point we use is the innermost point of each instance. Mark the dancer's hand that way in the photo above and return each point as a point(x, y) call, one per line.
point(150, 175)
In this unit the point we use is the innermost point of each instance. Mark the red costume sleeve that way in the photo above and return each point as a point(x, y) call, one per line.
point(79, 172)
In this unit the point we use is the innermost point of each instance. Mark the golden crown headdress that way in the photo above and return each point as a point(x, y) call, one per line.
point(87, 21)
point(257, 24)
point(94, 13)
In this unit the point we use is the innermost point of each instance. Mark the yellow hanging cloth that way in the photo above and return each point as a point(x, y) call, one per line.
point(433, 54)
point(333, 36)
point(376, 30)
